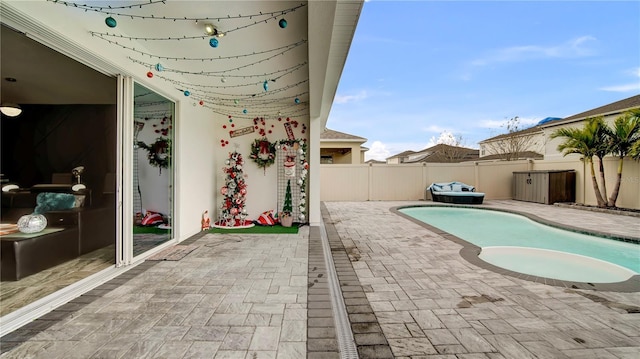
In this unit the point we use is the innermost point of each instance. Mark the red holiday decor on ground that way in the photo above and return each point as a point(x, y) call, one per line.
point(267, 219)
point(233, 214)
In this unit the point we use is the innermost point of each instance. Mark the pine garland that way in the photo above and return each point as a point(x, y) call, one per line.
point(287, 145)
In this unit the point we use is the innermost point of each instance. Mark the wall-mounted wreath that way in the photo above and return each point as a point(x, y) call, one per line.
point(159, 152)
point(263, 152)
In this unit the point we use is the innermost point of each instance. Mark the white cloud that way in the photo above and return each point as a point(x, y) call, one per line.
point(381, 151)
point(630, 87)
point(377, 151)
point(445, 137)
point(341, 99)
point(578, 47)
point(622, 88)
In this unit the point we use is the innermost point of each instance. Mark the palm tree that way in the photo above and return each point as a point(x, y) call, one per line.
point(602, 142)
point(635, 151)
point(624, 135)
point(585, 141)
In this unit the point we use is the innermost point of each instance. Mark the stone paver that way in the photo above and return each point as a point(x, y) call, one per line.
point(430, 302)
point(235, 296)
point(408, 293)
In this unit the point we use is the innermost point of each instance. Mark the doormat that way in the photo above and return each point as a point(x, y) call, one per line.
point(277, 229)
point(174, 253)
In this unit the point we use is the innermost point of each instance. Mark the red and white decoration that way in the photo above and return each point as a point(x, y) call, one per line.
point(152, 219)
point(233, 213)
point(267, 219)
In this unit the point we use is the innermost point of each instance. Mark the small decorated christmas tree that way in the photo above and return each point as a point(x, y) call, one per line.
point(232, 210)
point(286, 207)
point(285, 217)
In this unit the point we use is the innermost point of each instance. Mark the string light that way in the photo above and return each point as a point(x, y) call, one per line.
point(242, 116)
point(108, 11)
point(272, 78)
point(285, 49)
point(281, 102)
point(269, 94)
point(273, 101)
point(204, 73)
point(98, 8)
point(159, 67)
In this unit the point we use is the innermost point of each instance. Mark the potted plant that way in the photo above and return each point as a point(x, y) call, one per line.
point(286, 220)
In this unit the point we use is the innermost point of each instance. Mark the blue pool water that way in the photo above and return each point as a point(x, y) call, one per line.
point(486, 228)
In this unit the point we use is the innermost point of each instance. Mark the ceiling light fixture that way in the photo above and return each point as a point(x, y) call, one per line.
point(211, 30)
point(10, 109)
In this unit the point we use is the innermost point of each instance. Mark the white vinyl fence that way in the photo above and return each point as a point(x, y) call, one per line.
point(382, 182)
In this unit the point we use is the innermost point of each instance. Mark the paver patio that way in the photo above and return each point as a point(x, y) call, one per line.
point(265, 296)
point(432, 303)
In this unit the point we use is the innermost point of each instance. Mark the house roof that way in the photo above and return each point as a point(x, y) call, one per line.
point(438, 154)
point(526, 131)
point(612, 108)
point(521, 155)
point(331, 135)
point(609, 109)
point(402, 154)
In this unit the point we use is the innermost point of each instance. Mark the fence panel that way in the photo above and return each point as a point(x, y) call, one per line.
point(344, 182)
point(397, 182)
point(383, 182)
point(495, 179)
point(629, 196)
point(448, 172)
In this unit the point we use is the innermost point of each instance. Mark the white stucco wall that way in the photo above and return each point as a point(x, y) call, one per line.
point(261, 184)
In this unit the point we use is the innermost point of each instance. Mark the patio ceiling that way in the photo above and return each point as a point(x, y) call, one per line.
point(260, 68)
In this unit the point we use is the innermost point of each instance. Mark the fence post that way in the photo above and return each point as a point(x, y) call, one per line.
point(370, 181)
point(476, 174)
point(424, 180)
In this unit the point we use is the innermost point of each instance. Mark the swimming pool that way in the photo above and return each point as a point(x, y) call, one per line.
point(522, 245)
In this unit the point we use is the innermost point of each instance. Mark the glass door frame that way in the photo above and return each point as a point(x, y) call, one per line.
point(125, 167)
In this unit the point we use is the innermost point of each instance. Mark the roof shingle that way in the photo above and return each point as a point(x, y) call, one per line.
point(328, 134)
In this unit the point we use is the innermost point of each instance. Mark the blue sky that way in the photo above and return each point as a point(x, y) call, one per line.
point(420, 69)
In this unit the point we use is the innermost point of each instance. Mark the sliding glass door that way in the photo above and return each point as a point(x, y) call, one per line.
point(153, 170)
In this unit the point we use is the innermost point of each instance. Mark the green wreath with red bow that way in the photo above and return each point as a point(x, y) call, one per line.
point(263, 152)
point(159, 152)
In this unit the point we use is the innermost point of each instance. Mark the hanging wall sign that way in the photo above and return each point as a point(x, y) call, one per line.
point(289, 130)
point(242, 131)
point(290, 166)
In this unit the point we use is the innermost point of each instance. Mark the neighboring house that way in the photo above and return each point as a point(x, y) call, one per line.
point(440, 153)
point(610, 112)
point(535, 142)
point(400, 157)
point(520, 156)
point(527, 143)
point(375, 162)
point(341, 148)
